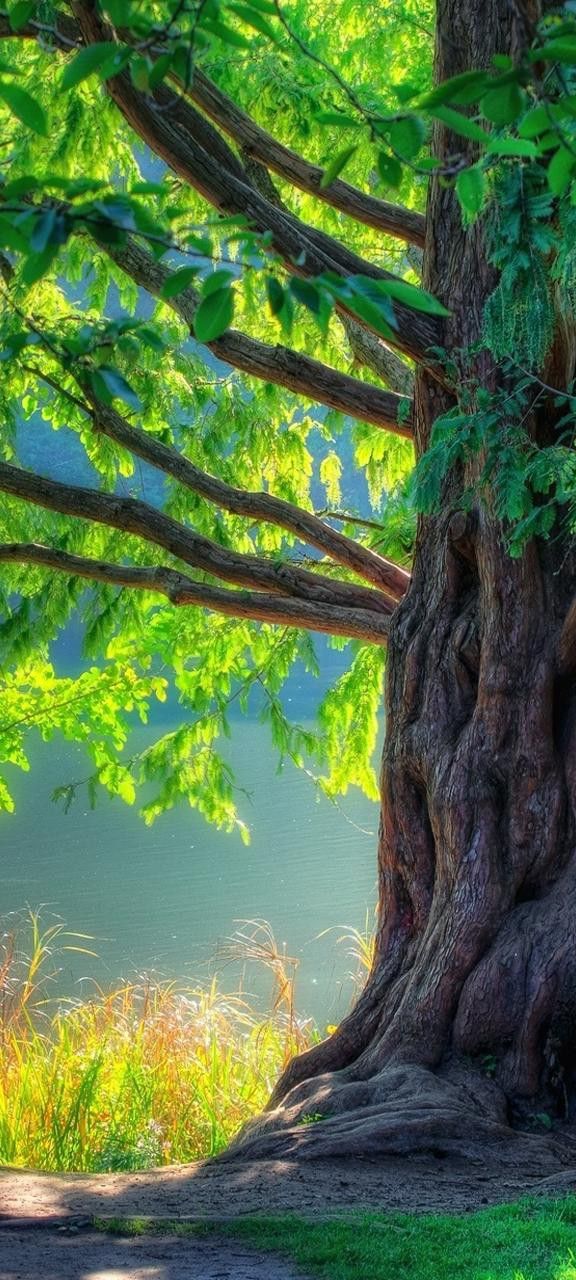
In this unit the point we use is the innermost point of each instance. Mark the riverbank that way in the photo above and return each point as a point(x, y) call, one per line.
point(148, 1074)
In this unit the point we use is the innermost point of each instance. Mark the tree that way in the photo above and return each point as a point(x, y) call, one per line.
point(465, 1033)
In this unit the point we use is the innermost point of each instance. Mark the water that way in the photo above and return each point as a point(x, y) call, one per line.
point(165, 897)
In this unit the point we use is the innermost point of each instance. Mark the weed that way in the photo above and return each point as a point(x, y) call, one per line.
point(150, 1073)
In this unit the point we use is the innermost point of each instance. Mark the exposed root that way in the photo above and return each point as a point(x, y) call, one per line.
point(404, 1110)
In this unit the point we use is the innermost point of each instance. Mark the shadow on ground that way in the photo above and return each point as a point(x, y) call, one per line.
point(221, 1189)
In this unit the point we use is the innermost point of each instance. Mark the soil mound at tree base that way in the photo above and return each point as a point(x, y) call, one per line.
point(220, 1190)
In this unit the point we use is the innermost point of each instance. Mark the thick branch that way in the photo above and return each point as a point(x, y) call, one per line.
point(415, 332)
point(371, 351)
point(262, 146)
point(256, 142)
point(358, 624)
point(133, 516)
point(278, 364)
point(367, 348)
point(387, 576)
point(169, 126)
point(395, 220)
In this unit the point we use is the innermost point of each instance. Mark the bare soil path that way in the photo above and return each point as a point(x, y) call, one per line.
point(50, 1255)
point(37, 1210)
point(219, 1190)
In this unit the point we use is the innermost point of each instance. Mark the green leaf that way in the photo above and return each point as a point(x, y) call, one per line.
point(560, 171)
point(254, 19)
point(413, 297)
point(389, 169)
point(561, 50)
point(535, 122)
point(10, 236)
point(275, 294)
point(460, 124)
point(151, 338)
point(337, 118)
point(20, 13)
point(43, 230)
point(24, 106)
point(503, 104)
point(263, 6)
point(178, 281)
point(307, 293)
point(214, 315)
point(471, 192)
point(117, 11)
point(38, 265)
point(117, 386)
point(337, 164)
point(88, 61)
point(462, 89)
point(225, 33)
point(20, 187)
point(372, 313)
point(512, 147)
point(140, 68)
point(159, 70)
point(407, 136)
point(220, 279)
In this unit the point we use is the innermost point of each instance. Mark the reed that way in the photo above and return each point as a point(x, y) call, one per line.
point(151, 1073)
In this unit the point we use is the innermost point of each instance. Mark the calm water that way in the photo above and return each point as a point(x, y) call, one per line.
point(165, 897)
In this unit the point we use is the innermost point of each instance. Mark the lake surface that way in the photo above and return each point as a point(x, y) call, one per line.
point(165, 897)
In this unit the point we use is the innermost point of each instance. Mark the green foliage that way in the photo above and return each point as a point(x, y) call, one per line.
point(149, 1074)
point(533, 490)
point(349, 716)
point(520, 315)
point(85, 176)
point(75, 190)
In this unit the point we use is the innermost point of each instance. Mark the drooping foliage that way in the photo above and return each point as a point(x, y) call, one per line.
point(171, 281)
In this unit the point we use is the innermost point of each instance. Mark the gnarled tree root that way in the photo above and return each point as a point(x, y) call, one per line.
point(403, 1110)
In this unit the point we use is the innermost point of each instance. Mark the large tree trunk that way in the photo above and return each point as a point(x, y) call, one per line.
point(465, 1034)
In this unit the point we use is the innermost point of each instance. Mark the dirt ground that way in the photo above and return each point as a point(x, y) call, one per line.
point(220, 1190)
point(37, 1210)
point(50, 1255)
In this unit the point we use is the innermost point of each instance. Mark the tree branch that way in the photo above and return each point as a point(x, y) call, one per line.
point(278, 364)
point(256, 142)
point(131, 515)
point(366, 347)
point(260, 507)
point(170, 127)
point(373, 352)
point(358, 624)
point(393, 219)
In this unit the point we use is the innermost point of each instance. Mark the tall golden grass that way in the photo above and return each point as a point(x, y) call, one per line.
point(150, 1073)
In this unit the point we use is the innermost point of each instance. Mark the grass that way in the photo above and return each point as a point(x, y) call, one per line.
point(532, 1240)
point(150, 1073)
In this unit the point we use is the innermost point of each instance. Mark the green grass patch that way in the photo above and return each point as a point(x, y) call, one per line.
point(531, 1240)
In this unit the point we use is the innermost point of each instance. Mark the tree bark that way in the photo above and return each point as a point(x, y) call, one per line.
point(464, 1038)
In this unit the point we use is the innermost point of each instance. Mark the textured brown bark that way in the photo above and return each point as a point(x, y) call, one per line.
point(464, 1039)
